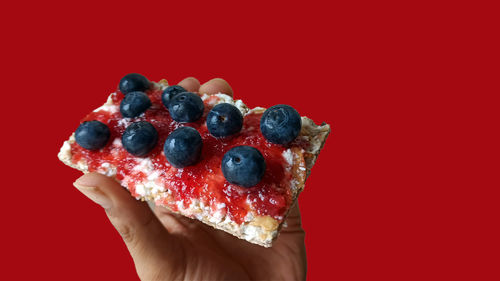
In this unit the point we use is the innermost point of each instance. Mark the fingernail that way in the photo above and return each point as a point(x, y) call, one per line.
point(94, 194)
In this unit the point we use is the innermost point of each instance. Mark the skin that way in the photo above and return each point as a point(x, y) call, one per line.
point(166, 246)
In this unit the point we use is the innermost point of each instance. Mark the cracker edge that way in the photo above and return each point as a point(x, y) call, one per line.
point(267, 227)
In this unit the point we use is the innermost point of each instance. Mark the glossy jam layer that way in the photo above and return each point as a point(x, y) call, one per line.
point(204, 181)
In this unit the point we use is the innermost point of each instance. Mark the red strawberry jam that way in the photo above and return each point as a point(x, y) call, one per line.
point(203, 181)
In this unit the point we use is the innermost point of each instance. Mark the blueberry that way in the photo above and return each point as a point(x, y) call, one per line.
point(186, 107)
point(134, 103)
point(224, 120)
point(280, 124)
point(140, 138)
point(92, 135)
point(183, 147)
point(133, 82)
point(243, 165)
point(170, 92)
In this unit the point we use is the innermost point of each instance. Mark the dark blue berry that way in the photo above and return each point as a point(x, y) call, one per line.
point(243, 166)
point(170, 92)
point(140, 138)
point(92, 135)
point(134, 103)
point(186, 107)
point(133, 82)
point(280, 124)
point(224, 120)
point(183, 147)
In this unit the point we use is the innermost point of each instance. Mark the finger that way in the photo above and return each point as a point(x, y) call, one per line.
point(294, 211)
point(191, 84)
point(216, 85)
point(293, 220)
point(173, 222)
point(147, 240)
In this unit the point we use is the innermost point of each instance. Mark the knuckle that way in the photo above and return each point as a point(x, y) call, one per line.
point(126, 233)
point(124, 229)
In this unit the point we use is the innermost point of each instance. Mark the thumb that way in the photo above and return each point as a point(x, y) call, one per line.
point(148, 242)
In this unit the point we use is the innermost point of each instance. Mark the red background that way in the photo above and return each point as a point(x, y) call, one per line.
point(402, 190)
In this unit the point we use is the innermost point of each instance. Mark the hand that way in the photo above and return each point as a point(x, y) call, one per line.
point(167, 246)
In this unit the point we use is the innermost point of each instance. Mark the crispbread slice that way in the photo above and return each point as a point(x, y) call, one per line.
point(258, 229)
